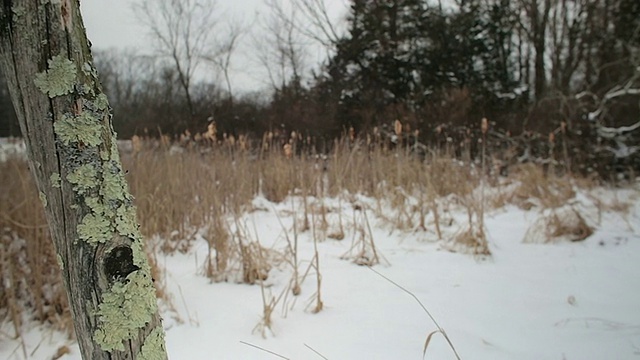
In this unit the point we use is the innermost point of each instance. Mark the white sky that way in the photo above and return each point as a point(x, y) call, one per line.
point(112, 24)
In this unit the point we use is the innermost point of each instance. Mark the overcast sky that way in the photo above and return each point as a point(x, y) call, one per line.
point(112, 24)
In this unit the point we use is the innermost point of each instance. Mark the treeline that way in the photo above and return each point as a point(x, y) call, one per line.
point(543, 70)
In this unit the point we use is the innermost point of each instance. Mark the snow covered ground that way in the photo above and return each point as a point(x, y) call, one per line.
point(564, 300)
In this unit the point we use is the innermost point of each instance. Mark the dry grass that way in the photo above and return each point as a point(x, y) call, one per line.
point(184, 193)
point(29, 274)
point(537, 188)
point(563, 224)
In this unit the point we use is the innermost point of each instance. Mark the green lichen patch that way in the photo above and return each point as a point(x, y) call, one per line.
point(89, 70)
point(58, 79)
point(60, 262)
point(126, 221)
point(101, 102)
point(115, 154)
point(97, 207)
point(94, 229)
point(139, 256)
point(55, 180)
point(114, 186)
point(43, 199)
point(18, 11)
point(83, 128)
point(83, 178)
point(127, 307)
point(153, 347)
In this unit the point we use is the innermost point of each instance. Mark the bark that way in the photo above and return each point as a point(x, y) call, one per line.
point(539, 18)
point(66, 125)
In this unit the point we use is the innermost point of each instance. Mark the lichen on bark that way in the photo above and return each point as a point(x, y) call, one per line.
point(55, 180)
point(83, 178)
point(78, 169)
point(43, 199)
point(59, 79)
point(95, 228)
point(153, 347)
point(83, 128)
point(127, 307)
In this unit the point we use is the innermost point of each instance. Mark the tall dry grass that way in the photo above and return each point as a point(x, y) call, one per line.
point(30, 281)
point(190, 191)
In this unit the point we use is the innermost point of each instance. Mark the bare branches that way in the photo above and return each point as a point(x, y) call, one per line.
point(281, 49)
point(316, 23)
point(182, 31)
point(221, 58)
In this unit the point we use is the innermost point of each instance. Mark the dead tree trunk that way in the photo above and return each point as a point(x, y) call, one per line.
point(66, 124)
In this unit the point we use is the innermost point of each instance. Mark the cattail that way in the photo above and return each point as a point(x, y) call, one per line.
point(136, 143)
point(484, 125)
point(211, 131)
point(352, 133)
point(242, 142)
point(288, 151)
point(165, 140)
point(398, 127)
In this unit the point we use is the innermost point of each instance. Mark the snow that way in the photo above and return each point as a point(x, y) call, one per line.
point(11, 147)
point(558, 300)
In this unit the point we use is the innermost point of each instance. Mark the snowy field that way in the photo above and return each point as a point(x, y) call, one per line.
point(559, 300)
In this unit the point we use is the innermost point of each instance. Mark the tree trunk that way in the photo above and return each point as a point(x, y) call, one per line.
point(66, 124)
point(540, 18)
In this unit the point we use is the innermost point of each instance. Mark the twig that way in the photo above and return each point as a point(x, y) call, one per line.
point(265, 350)
point(316, 352)
point(440, 329)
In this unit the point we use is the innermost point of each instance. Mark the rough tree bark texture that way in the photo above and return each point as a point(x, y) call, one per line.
point(66, 124)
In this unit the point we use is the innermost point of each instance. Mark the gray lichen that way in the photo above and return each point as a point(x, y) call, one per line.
point(59, 79)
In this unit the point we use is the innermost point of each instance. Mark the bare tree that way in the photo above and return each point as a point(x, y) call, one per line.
point(281, 49)
point(183, 32)
point(315, 22)
point(221, 59)
point(535, 25)
point(66, 124)
point(568, 44)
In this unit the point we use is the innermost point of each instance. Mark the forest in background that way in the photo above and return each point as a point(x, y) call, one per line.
point(556, 79)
